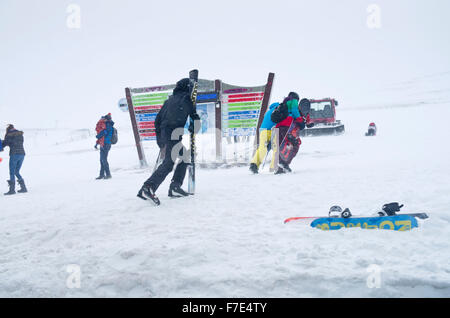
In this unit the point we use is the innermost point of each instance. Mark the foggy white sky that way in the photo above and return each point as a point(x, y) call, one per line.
point(52, 75)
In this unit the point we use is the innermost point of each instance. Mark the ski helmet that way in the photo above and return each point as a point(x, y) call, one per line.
point(335, 211)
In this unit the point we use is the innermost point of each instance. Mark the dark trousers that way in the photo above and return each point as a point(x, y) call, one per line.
point(104, 165)
point(15, 163)
point(167, 165)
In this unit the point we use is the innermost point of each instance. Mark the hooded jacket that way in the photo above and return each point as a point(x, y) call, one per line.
point(174, 112)
point(14, 140)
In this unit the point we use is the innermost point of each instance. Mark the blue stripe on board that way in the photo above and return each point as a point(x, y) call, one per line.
point(255, 112)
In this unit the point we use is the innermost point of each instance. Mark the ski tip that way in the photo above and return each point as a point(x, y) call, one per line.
point(299, 218)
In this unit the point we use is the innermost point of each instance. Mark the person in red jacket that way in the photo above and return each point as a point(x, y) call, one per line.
point(288, 136)
point(372, 130)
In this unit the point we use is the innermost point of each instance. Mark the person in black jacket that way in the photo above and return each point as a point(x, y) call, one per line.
point(169, 126)
point(14, 140)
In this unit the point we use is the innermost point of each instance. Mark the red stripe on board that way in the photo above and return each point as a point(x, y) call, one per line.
point(147, 123)
point(148, 135)
point(146, 126)
point(148, 107)
point(245, 95)
point(252, 99)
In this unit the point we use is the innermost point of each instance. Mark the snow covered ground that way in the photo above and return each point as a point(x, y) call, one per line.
point(229, 240)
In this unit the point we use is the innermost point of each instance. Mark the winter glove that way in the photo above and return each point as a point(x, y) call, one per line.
point(159, 139)
point(192, 125)
point(96, 146)
point(301, 125)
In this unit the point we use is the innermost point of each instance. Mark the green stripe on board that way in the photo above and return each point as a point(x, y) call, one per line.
point(241, 126)
point(245, 104)
point(241, 121)
point(149, 104)
point(233, 109)
point(151, 95)
point(148, 99)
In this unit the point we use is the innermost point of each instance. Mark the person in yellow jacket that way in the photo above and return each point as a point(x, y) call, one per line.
point(265, 131)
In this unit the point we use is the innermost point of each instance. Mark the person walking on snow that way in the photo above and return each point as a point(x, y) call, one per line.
point(289, 141)
point(265, 131)
point(14, 140)
point(169, 127)
point(105, 130)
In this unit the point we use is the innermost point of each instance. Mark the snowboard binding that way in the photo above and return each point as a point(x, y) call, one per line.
point(390, 209)
point(336, 212)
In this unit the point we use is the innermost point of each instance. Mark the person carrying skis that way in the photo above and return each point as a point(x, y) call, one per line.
point(265, 131)
point(169, 127)
point(14, 140)
point(288, 136)
point(105, 130)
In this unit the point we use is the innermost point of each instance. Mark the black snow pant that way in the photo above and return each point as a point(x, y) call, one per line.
point(167, 165)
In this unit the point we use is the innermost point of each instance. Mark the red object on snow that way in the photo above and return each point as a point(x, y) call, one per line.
point(101, 125)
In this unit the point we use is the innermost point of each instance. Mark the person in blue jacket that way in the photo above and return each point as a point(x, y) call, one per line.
point(104, 134)
point(14, 140)
point(265, 131)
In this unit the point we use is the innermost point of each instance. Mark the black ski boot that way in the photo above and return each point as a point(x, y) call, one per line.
point(12, 188)
point(176, 187)
point(23, 188)
point(286, 167)
point(147, 193)
point(280, 170)
point(254, 168)
point(100, 178)
point(108, 176)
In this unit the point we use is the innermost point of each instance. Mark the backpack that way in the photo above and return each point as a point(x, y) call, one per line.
point(280, 113)
point(114, 137)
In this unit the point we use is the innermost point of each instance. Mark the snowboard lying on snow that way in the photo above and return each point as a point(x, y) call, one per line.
point(388, 221)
